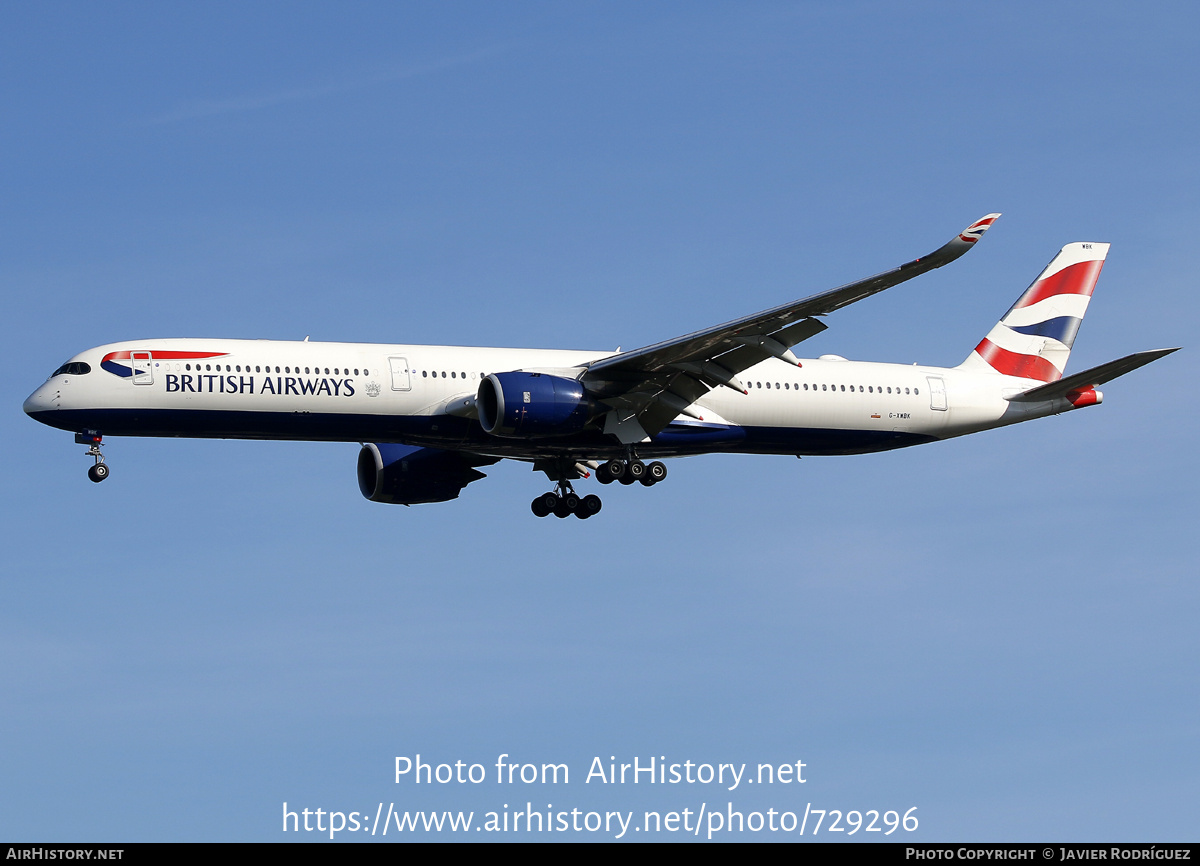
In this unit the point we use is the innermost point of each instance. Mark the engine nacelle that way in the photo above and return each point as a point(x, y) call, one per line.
point(520, 404)
point(407, 475)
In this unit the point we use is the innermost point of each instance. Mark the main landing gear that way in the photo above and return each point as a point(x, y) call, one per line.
point(563, 501)
point(99, 471)
point(629, 471)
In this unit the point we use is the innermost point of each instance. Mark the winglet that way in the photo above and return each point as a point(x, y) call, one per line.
point(955, 247)
point(976, 230)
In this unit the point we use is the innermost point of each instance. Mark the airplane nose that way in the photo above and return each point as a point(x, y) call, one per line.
point(37, 402)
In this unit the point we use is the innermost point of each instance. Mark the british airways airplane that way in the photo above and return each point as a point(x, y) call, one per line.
point(430, 416)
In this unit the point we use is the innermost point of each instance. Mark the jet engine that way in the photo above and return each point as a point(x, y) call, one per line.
point(521, 404)
point(407, 475)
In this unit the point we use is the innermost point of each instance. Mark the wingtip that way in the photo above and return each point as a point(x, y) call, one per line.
point(976, 230)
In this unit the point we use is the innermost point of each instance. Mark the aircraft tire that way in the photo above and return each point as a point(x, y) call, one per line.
point(539, 507)
point(98, 472)
point(637, 470)
point(591, 505)
point(571, 502)
point(656, 471)
point(615, 469)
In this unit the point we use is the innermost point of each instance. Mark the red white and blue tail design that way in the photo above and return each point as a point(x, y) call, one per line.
point(1034, 339)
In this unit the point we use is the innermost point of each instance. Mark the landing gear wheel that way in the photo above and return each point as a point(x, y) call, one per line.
point(588, 506)
point(603, 475)
point(98, 472)
point(538, 506)
point(614, 469)
point(656, 471)
point(637, 470)
point(571, 501)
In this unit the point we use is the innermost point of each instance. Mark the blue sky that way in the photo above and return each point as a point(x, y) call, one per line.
point(998, 630)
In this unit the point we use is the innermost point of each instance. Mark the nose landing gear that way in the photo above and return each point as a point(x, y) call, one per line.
point(98, 471)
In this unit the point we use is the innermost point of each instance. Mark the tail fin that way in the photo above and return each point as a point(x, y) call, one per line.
point(1034, 339)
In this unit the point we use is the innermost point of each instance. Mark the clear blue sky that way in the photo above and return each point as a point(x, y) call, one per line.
point(999, 630)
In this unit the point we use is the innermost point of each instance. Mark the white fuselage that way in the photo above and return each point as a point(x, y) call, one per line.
point(422, 395)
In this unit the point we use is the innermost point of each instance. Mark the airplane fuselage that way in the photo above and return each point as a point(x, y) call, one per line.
point(360, 392)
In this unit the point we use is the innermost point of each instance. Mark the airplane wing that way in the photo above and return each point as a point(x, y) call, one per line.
point(1090, 378)
point(648, 387)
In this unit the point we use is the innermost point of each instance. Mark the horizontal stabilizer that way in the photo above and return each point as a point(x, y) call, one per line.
point(1091, 378)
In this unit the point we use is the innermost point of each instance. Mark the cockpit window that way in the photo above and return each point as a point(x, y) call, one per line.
point(74, 368)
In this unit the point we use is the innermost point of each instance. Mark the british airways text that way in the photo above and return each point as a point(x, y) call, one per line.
point(212, 383)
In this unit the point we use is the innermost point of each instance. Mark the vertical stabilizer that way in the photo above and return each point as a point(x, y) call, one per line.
point(1034, 338)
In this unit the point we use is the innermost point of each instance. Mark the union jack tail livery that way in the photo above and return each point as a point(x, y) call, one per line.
point(1033, 340)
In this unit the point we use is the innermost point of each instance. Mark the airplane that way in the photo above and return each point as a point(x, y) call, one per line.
point(429, 417)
